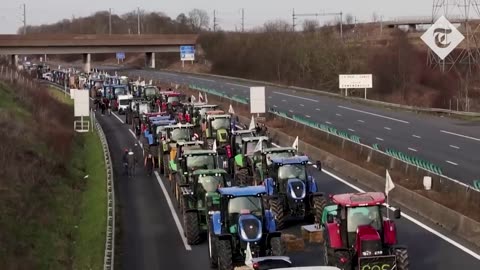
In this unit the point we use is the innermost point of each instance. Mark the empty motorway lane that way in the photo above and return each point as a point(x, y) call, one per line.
point(451, 144)
point(152, 231)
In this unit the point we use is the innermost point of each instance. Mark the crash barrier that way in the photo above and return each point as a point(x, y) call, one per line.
point(110, 231)
point(410, 198)
point(220, 94)
point(348, 98)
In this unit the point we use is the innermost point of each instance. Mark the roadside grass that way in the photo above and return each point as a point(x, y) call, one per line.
point(60, 95)
point(89, 236)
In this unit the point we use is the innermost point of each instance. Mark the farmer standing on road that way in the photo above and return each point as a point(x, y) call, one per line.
point(149, 164)
point(132, 161)
point(125, 161)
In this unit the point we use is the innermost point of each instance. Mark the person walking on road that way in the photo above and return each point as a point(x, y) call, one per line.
point(149, 164)
point(125, 161)
point(131, 161)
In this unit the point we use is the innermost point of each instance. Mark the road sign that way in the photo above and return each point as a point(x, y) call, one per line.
point(257, 99)
point(442, 37)
point(120, 55)
point(187, 53)
point(351, 81)
point(81, 104)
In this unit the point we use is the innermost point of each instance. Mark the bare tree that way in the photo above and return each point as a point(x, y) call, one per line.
point(349, 19)
point(199, 19)
point(310, 25)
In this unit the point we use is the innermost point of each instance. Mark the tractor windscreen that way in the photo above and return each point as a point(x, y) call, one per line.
point(210, 183)
point(124, 101)
point(173, 99)
point(180, 134)
point(151, 91)
point(221, 123)
point(270, 156)
point(358, 216)
point(240, 204)
point(292, 171)
point(251, 146)
point(120, 91)
point(206, 162)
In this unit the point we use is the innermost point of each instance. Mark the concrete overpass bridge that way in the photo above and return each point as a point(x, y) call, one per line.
point(413, 22)
point(86, 45)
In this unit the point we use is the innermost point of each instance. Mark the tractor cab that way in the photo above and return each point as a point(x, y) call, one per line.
point(172, 98)
point(355, 222)
point(236, 139)
point(149, 92)
point(218, 128)
point(274, 153)
point(202, 109)
point(242, 224)
point(248, 161)
point(188, 162)
point(112, 91)
point(179, 132)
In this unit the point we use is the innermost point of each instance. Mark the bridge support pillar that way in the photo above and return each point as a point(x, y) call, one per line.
point(86, 62)
point(150, 59)
point(14, 59)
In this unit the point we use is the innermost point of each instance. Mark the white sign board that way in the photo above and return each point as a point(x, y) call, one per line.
point(72, 93)
point(82, 103)
point(257, 99)
point(355, 81)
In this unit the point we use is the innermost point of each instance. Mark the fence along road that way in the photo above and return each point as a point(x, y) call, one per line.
point(448, 143)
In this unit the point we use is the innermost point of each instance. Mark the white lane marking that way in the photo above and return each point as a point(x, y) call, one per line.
point(290, 111)
point(174, 214)
point(361, 121)
point(352, 130)
point(387, 128)
point(416, 136)
point(338, 114)
point(408, 217)
point(239, 85)
point(329, 123)
point(451, 162)
point(275, 106)
point(139, 142)
point(133, 134)
point(374, 114)
point(119, 119)
point(208, 80)
point(454, 146)
point(302, 105)
point(309, 99)
point(317, 109)
point(380, 139)
point(460, 135)
point(283, 100)
point(308, 116)
point(412, 149)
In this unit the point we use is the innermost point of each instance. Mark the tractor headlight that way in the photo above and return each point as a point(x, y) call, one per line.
point(367, 253)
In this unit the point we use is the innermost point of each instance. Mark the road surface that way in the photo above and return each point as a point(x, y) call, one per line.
point(451, 144)
point(153, 240)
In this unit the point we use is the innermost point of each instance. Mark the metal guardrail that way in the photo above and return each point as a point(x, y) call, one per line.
point(109, 256)
point(322, 92)
point(415, 162)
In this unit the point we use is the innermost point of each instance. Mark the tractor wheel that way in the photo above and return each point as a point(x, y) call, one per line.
point(319, 204)
point(403, 262)
point(241, 177)
point(278, 246)
point(276, 206)
point(224, 259)
point(192, 230)
point(212, 248)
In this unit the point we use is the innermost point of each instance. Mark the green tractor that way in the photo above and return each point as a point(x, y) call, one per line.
point(248, 161)
point(235, 146)
point(218, 128)
point(188, 162)
point(170, 135)
point(198, 199)
point(177, 151)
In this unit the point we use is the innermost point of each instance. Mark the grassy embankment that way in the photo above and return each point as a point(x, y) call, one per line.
point(51, 216)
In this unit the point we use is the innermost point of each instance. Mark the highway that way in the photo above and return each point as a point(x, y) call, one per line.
point(152, 233)
point(450, 144)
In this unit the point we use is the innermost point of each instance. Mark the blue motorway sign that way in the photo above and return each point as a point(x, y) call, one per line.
point(120, 55)
point(187, 53)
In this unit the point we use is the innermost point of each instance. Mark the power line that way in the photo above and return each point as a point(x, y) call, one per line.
point(320, 14)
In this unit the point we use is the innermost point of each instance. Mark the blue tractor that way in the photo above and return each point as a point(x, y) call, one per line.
point(292, 192)
point(242, 225)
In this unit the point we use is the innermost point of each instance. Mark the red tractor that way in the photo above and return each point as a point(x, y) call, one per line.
point(358, 236)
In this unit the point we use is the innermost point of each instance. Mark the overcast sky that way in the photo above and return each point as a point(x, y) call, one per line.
point(228, 12)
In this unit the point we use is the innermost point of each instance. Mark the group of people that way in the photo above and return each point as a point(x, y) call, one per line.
point(104, 105)
point(130, 161)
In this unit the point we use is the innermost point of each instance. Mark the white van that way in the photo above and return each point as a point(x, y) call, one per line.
point(123, 102)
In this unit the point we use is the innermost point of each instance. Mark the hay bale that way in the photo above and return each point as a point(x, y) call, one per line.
point(293, 243)
point(312, 234)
